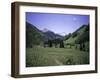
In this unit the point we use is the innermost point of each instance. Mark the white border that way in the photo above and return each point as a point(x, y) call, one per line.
point(53, 69)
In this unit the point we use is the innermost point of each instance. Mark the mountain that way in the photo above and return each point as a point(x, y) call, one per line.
point(79, 36)
point(51, 35)
point(36, 36)
point(31, 26)
point(59, 36)
point(33, 35)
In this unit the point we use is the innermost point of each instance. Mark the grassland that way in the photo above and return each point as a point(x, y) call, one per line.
point(39, 56)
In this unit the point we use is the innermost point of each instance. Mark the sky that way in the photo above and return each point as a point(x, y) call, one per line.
point(62, 24)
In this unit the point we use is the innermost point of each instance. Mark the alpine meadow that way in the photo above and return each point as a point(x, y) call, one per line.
point(56, 39)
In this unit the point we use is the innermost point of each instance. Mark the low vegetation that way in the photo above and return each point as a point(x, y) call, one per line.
point(39, 56)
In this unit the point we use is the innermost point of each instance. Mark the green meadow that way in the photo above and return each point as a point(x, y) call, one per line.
point(40, 56)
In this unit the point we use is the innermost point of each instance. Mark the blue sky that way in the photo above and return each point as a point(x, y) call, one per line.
point(58, 23)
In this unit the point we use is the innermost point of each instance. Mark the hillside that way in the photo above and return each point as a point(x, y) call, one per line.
point(80, 35)
point(49, 35)
point(34, 36)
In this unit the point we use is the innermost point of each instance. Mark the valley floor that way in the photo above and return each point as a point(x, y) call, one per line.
point(39, 56)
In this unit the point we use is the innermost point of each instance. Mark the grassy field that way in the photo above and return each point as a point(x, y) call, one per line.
point(39, 56)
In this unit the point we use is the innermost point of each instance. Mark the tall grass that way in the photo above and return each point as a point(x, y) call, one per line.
point(39, 56)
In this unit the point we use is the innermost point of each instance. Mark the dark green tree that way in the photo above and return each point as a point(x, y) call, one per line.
point(61, 44)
